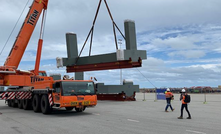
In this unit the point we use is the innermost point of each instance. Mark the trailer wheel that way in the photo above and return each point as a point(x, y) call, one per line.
point(26, 104)
point(69, 108)
point(45, 106)
point(13, 104)
point(36, 103)
point(20, 104)
point(80, 109)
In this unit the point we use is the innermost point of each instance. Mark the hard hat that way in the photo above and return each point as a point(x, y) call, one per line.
point(168, 89)
point(183, 90)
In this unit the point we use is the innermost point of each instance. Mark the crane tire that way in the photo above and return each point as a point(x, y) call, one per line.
point(45, 106)
point(9, 103)
point(26, 104)
point(36, 103)
point(13, 103)
point(20, 104)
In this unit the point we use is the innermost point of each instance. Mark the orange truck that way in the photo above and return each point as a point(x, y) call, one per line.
point(34, 89)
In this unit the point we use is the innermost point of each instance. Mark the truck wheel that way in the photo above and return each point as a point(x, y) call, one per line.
point(69, 108)
point(20, 104)
point(13, 104)
point(45, 106)
point(36, 103)
point(26, 104)
point(9, 103)
point(80, 109)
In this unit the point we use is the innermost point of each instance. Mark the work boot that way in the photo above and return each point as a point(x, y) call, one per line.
point(188, 117)
point(180, 117)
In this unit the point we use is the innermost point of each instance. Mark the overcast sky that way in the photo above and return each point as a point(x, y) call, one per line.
point(182, 38)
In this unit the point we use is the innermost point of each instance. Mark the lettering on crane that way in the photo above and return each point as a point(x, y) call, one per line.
point(33, 17)
point(36, 79)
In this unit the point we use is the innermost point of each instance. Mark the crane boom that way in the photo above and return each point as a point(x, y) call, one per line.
point(25, 33)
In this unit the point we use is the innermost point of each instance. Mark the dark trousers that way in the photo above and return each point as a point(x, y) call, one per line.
point(168, 104)
point(186, 107)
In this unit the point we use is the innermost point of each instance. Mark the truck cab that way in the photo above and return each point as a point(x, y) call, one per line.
point(76, 94)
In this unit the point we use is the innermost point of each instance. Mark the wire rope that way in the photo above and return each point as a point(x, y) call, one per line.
point(147, 78)
point(14, 27)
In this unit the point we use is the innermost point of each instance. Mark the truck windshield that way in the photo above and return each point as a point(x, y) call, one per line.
point(77, 88)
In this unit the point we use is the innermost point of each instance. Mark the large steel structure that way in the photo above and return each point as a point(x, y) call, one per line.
point(129, 58)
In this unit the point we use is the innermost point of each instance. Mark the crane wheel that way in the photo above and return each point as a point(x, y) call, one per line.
point(26, 104)
point(9, 103)
point(20, 104)
point(69, 108)
point(45, 106)
point(13, 103)
point(36, 103)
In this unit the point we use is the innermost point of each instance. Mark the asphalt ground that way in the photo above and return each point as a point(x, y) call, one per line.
point(112, 117)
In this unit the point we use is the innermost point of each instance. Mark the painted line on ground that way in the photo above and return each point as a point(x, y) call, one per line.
point(133, 120)
point(95, 114)
point(195, 132)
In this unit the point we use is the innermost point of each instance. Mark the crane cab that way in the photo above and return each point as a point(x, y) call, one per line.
point(76, 94)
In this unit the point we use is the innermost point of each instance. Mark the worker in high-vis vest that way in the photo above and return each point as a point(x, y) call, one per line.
point(184, 105)
point(169, 97)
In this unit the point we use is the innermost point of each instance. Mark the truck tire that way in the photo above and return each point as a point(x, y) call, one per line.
point(20, 104)
point(69, 108)
point(45, 106)
point(80, 109)
point(26, 104)
point(36, 103)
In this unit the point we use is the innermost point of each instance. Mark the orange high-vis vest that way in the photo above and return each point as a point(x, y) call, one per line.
point(168, 94)
point(183, 100)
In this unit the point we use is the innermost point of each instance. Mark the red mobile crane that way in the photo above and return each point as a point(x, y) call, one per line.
point(34, 89)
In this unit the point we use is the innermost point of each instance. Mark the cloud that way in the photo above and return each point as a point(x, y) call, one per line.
point(189, 54)
point(182, 38)
point(213, 67)
point(177, 43)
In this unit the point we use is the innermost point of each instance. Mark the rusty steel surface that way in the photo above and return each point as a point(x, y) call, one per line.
point(116, 97)
point(103, 66)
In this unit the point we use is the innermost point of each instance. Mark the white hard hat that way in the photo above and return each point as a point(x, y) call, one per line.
point(183, 90)
point(168, 89)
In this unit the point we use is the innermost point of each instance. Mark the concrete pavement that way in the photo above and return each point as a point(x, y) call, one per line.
point(112, 117)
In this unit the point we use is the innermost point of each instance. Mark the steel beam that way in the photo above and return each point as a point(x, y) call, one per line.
point(129, 58)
